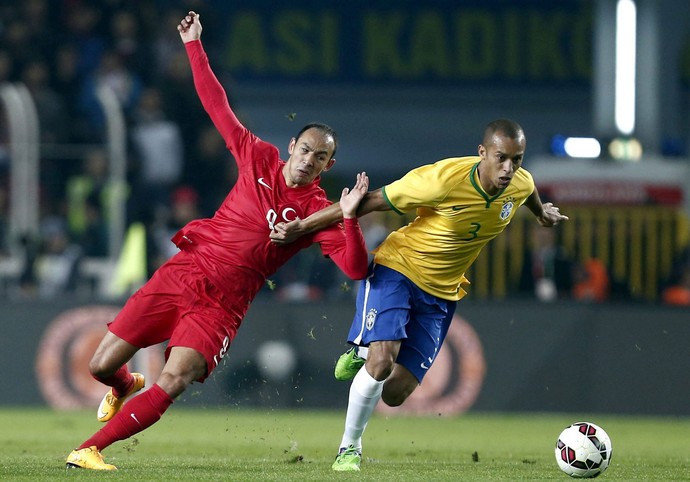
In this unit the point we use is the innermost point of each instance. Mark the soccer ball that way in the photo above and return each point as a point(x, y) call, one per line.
point(583, 450)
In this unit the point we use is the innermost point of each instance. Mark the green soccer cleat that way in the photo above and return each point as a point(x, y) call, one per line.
point(110, 404)
point(348, 459)
point(87, 458)
point(348, 365)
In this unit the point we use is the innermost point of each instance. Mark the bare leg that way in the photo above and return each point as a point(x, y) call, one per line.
point(184, 365)
point(112, 353)
point(400, 382)
point(381, 358)
point(399, 385)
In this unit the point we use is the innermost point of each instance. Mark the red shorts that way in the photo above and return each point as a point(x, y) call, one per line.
point(180, 304)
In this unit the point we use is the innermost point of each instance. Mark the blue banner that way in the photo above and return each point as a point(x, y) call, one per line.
point(436, 43)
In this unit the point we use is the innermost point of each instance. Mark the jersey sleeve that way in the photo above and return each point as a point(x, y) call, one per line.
point(238, 139)
point(344, 244)
point(425, 186)
point(526, 184)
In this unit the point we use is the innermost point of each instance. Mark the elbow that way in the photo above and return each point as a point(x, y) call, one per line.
point(360, 273)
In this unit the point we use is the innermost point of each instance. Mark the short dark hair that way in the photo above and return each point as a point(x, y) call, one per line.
point(325, 129)
point(507, 127)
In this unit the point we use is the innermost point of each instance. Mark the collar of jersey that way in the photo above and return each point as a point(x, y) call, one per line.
point(479, 189)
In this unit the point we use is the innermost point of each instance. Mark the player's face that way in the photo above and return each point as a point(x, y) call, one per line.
point(310, 155)
point(500, 160)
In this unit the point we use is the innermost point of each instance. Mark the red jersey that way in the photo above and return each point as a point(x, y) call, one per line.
point(233, 247)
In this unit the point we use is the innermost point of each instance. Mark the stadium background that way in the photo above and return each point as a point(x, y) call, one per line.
point(403, 83)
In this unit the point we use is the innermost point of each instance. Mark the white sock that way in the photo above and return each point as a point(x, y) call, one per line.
point(362, 351)
point(365, 392)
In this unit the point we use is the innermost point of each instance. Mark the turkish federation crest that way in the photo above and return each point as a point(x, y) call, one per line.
point(371, 319)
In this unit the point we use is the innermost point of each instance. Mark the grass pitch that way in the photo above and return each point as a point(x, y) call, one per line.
point(242, 445)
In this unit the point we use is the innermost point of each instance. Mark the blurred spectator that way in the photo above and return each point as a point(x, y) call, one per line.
point(17, 40)
point(41, 31)
point(305, 277)
point(4, 222)
point(83, 30)
point(159, 150)
point(678, 293)
point(57, 259)
point(67, 82)
point(592, 282)
point(184, 208)
point(677, 289)
point(6, 66)
point(170, 61)
point(547, 270)
point(374, 229)
point(210, 170)
point(128, 43)
point(113, 74)
point(180, 100)
point(49, 105)
point(87, 201)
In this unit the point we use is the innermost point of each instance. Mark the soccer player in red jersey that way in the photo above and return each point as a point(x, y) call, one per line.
point(198, 298)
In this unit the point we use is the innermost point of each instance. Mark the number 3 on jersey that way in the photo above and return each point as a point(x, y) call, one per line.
point(473, 232)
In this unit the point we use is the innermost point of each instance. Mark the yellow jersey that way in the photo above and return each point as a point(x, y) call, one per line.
point(455, 219)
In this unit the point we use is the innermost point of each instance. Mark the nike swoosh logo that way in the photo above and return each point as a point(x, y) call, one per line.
point(263, 183)
point(135, 418)
point(424, 366)
point(102, 413)
point(459, 208)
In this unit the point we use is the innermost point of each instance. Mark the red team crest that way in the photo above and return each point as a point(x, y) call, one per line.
point(285, 214)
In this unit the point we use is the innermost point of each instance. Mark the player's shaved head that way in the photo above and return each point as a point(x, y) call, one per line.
point(509, 128)
point(325, 129)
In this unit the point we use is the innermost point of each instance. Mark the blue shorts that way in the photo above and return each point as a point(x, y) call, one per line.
point(391, 307)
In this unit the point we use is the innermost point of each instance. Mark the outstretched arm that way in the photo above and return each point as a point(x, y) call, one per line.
point(352, 258)
point(285, 233)
point(190, 27)
point(350, 199)
point(210, 91)
point(547, 214)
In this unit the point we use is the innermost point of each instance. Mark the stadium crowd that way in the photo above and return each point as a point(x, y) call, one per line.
point(177, 165)
point(178, 168)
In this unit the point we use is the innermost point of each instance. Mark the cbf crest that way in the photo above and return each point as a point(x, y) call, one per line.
point(507, 208)
point(371, 319)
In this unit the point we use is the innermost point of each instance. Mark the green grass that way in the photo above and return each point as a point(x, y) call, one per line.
point(242, 445)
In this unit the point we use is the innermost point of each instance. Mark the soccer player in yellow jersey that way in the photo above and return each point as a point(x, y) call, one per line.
point(406, 304)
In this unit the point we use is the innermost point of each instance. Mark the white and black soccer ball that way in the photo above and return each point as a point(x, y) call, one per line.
point(583, 450)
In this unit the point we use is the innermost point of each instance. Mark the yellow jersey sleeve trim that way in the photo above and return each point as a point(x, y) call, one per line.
point(385, 197)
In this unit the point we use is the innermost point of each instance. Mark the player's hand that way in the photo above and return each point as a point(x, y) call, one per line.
point(190, 27)
point(286, 233)
point(551, 216)
point(350, 198)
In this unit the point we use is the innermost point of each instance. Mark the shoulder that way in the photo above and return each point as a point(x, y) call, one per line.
point(454, 165)
point(316, 199)
point(445, 171)
point(522, 183)
point(430, 184)
point(524, 176)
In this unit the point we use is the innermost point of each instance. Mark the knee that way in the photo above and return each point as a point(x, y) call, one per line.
point(399, 387)
point(99, 368)
point(394, 397)
point(175, 380)
point(380, 368)
point(173, 384)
